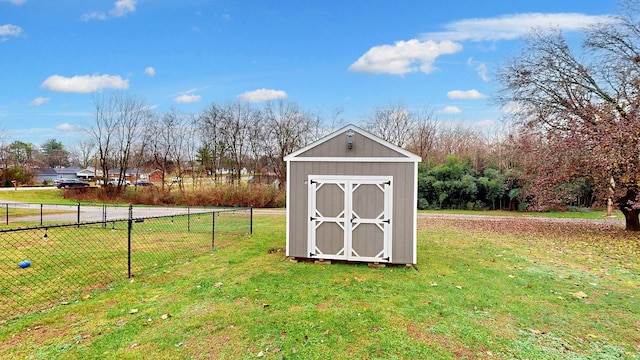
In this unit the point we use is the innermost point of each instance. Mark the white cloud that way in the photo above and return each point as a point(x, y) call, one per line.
point(120, 9)
point(513, 108)
point(16, 2)
point(480, 67)
point(262, 95)
point(510, 27)
point(468, 94)
point(123, 7)
point(39, 101)
point(186, 98)
point(94, 15)
point(482, 71)
point(484, 124)
point(84, 83)
point(67, 127)
point(450, 110)
point(420, 54)
point(404, 57)
point(9, 30)
point(150, 71)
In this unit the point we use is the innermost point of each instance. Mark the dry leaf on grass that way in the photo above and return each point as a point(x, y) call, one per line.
point(580, 295)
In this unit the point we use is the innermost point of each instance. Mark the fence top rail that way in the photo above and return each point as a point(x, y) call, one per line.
point(133, 218)
point(54, 226)
point(117, 205)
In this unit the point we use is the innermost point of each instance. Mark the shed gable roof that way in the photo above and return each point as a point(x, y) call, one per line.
point(366, 148)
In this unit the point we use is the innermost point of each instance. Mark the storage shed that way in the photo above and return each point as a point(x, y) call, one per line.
point(352, 196)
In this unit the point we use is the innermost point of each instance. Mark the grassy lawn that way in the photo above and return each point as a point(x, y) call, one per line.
point(482, 289)
point(50, 196)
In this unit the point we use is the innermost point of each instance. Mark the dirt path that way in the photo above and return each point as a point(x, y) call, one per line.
point(603, 221)
point(88, 213)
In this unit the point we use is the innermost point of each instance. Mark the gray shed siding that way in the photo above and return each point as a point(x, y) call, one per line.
point(362, 147)
point(403, 213)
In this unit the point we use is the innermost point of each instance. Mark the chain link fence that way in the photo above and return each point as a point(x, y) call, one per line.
point(42, 266)
point(13, 214)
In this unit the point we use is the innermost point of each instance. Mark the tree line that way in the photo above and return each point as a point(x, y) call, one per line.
point(462, 167)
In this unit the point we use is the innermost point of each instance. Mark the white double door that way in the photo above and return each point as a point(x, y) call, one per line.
point(350, 217)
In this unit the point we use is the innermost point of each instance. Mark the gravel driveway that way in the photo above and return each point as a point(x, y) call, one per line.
point(88, 213)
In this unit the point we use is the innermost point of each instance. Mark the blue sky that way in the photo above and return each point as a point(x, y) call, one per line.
point(353, 55)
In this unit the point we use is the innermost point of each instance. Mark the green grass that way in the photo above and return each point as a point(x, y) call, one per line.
point(48, 196)
point(482, 289)
point(70, 261)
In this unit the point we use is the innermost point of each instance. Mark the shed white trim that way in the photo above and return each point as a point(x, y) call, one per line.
point(352, 159)
point(415, 215)
point(348, 218)
point(288, 208)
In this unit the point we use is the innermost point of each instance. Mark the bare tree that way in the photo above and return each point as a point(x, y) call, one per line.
point(235, 128)
point(393, 124)
point(161, 135)
point(288, 129)
point(258, 138)
point(182, 143)
point(119, 122)
point(423, 138)
point(192, 145)
point(213, 145)
point(82, 153)
point(587, 112)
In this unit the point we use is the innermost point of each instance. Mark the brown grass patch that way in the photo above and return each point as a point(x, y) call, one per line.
point(435, 340)
point(255, 195)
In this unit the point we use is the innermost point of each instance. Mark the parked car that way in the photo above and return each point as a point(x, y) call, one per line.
point(71, 183)
point(114, 182)
point(143, 183)
point(57, 182)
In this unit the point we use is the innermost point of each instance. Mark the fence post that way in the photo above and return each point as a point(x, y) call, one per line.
point(78, 214)
point(213, 229)
point(7, 212)
point(40, 214)
point(251, 221)
point(189, 219)
point(104, 216)
point(129, 226)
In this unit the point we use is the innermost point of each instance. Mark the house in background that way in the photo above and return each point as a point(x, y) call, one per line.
point(53, 174)
point(50, 175)
point(153, 176)
point(89, 174)
point(271, 179)
point(46, 175)
point(70, 173)
point(132, 175)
